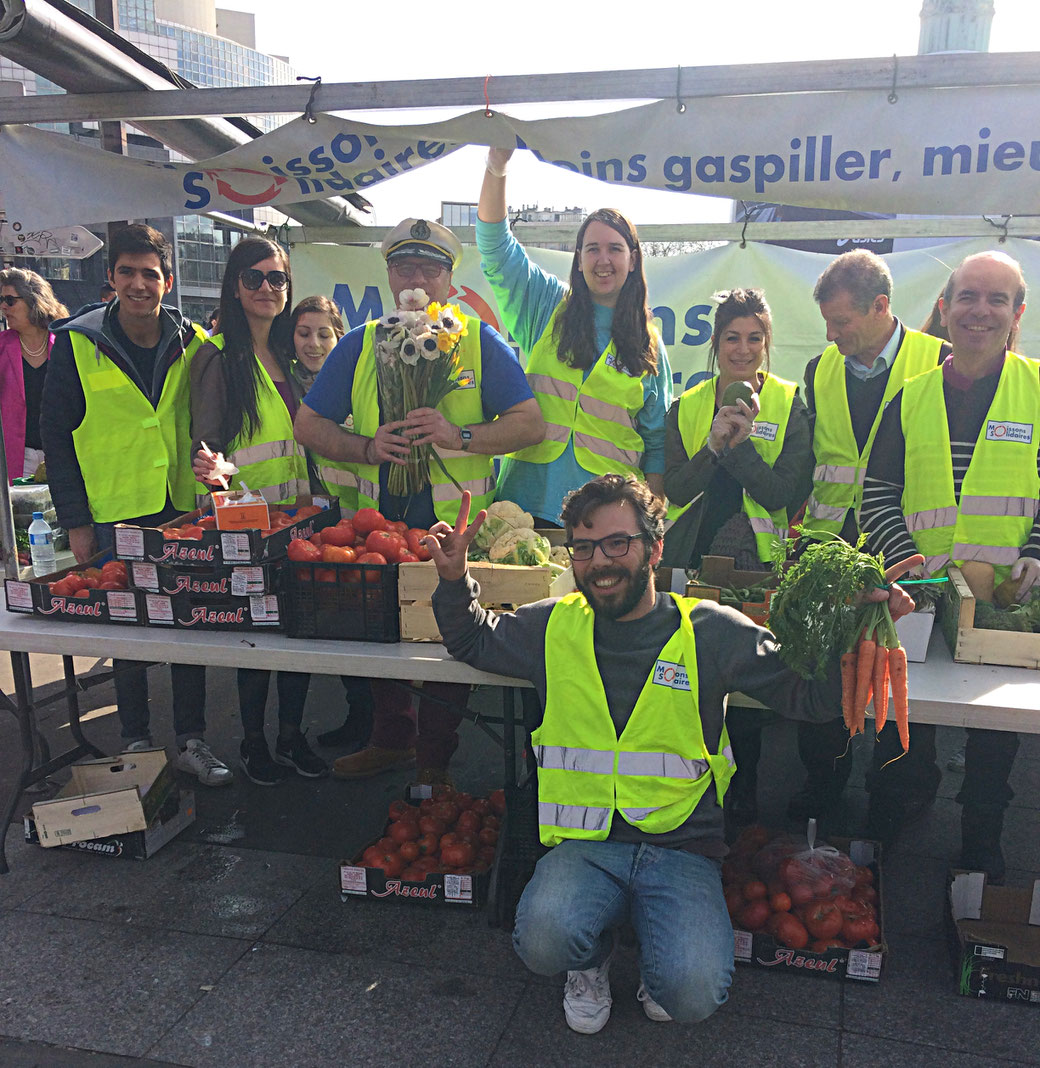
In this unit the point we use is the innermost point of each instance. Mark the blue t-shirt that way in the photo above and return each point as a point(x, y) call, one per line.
point(503, 385)
point(528, 296)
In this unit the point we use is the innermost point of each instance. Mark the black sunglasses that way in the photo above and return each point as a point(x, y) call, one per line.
point(8, 301)
point(253, 279)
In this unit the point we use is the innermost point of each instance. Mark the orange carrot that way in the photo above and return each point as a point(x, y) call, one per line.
point(848, 688)
point(864, 675)
point(900, 694)
point(880, 687)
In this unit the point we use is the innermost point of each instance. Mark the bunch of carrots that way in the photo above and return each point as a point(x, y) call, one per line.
point(868, 670)
point(817, 614)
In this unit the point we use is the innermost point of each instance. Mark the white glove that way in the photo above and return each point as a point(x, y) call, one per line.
point(1026, 569)
point(498, 161)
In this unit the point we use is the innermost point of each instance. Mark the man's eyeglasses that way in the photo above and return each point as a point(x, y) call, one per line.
point(612, 546)
point(429, 271)
point(8, 301)
point(254, 279)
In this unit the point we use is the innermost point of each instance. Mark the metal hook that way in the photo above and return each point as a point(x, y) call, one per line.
point(308, 111)
point(747, 219)
point(680, 107)
point(1002, 227)
point(893, 96)
point(488, 113)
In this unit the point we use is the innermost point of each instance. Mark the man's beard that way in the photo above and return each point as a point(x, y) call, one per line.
point(605, 602)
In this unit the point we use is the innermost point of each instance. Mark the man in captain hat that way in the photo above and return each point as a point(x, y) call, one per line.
point(495, 413)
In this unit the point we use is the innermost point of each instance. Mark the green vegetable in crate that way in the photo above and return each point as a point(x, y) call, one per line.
point(523, 547)
point(502, 517)
point(559, 555)
point(736, 391)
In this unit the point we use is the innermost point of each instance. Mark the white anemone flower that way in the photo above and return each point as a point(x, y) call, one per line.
point(427, 343)
point(409, 352)
point(413, 299)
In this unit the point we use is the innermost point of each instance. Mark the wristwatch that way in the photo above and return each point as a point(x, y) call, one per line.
point(466, 436)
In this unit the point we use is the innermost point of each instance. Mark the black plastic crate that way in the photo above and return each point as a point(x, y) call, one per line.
point(357, 602)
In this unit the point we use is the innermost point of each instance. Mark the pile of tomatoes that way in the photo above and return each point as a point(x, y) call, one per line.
point(366, 538)
point(110, 576)
point(278, 519)
point(451, 834)
point(817, 901)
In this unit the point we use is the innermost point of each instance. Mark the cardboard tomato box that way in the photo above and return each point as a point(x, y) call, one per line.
point(181, 609)
point(995, 939)
point(207, 583)
point(760, 950)
point(99, 606)
point(213, 548)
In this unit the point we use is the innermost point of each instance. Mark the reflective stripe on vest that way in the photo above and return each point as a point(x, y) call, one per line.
point(131, 454)
point(461, 407)
point(656, 772)
point(340, 481)
point(599, 410)
point(840, 464)
point(270, 460)
point(696, 412)
point(998, 503)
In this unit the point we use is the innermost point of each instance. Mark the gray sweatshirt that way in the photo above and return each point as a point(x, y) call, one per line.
point(732, 654)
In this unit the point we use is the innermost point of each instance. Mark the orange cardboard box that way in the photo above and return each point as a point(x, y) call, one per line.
point(234, 513)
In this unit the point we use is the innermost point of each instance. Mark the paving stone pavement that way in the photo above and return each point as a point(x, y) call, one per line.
point(231, 946)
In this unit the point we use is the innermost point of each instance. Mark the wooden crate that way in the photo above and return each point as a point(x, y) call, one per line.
point(501, 586)
point(971, 645)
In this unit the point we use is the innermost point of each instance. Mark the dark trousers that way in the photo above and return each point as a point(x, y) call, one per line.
point(252, 700)
point(188, 682)
point(434, 733)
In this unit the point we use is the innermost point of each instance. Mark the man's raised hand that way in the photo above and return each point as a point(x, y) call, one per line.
point(448, 545)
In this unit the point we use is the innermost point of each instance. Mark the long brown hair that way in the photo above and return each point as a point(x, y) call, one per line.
point(44, 307)
point(575, 329)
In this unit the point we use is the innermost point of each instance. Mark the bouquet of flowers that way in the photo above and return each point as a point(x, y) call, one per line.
point(417, 366)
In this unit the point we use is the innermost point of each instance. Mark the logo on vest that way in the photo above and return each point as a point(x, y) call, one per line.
point(765, 431)
point(1001, 430)
point(671, 675)
point(467, 380)
point(615, 364)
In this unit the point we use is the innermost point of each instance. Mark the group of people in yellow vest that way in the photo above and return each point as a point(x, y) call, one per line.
point(927, 445)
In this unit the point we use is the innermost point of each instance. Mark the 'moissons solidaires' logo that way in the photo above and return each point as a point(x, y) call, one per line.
point(1002, 430)
point(672, 675)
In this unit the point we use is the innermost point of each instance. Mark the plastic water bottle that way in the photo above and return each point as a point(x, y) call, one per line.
point(41, 545)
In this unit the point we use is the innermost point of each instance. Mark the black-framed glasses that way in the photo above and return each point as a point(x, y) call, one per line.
point(429, 271)
point(251, 278)
point(612, 546)
point(8, 301)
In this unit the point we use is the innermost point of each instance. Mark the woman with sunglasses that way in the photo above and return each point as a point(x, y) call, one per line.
point(243, 401)
point(29, 305)
point(595, 361)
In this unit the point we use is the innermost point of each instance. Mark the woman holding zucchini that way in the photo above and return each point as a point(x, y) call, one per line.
point(738, 466)
point(243, 400)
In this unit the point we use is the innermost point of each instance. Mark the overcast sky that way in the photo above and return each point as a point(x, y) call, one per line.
point(345, 43)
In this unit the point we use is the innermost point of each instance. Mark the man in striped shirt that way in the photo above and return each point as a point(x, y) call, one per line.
point(982, 407)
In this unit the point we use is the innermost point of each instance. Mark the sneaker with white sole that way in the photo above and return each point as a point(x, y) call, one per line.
point(196, 759)
point(586, 998)
point(139, 746)
point(296, 753)
point(650, 1007)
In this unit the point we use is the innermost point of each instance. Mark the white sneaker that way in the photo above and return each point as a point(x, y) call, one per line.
point(139, 746)
point(650, 1007)
point(197, 760)
point(586, 998)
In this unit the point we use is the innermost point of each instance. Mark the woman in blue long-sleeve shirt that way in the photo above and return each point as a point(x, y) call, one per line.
point(594, 359)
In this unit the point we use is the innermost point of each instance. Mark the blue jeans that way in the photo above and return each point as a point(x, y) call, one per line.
point(581, 890)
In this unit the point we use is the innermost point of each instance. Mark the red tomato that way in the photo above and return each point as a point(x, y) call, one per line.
point(398, 525)
point(92, 573)
point(338, 554)
point(449, 839)
point(114, 571)
point(392, 864)
point(58, 588)
point(429, 825)
point(316, 539)
point(790, 932)
point(280, 519)
point(734, 901)
point(823, 921)
point(74, 582)
point(481, 806)
point(446, 811)
point(400, 810)
point(324, 574)
point(372, 558)
point(404, 831)
point(753, 916)
point(858, 929)
point(303, 552)
point(801, 894)
point(305, 512)
point(368, 519)
point(459, 855)
point(112, 586)
point(386, 844)
point(90, 582)
point(414, 538)
point(407, 558)
point(754, 889)
point(372, 855)
point(492, 821)
point(172, 534)
point(85, 592)
point(498, 802)
point(780, 902)
point(865, 894)
point(469, 821)
point(864, 876)
point(429, 844)
point(190, 533)
point(387, 542)
point(488, 836)
point(337, 535)
point(207, 522)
